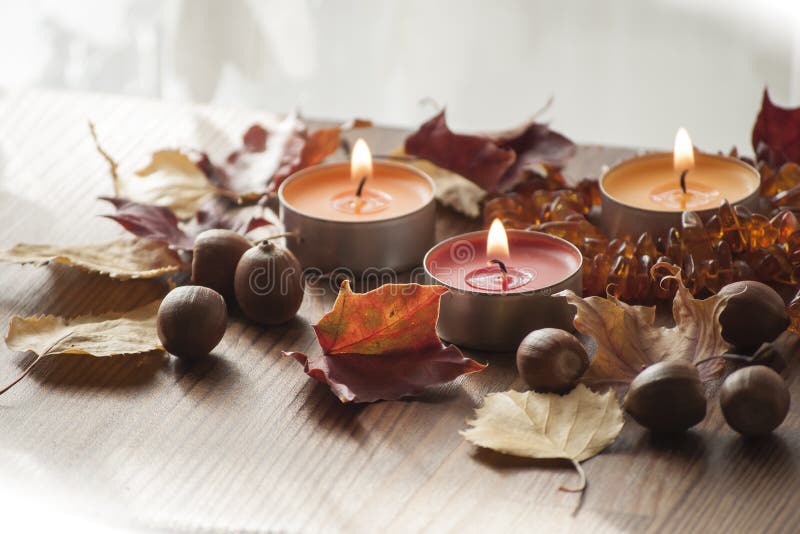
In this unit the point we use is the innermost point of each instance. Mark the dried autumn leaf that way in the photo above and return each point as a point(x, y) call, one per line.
point(477, 158)
point(776, 133)
point(109, 334)
point(269, 156)
point(452, 190)
point(628, 341)
point(382, 345)
point(122, 259)
point(494, 162)
point(131, 332)
point(160, 224)
point(574, 427)
point(171, 179)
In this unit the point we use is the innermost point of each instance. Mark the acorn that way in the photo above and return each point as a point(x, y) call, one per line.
point(755, 314)
point(754, 400)
point(667, 397)
point(269, 284)
point(191, 321)
point(551, 360)
point(216, 254)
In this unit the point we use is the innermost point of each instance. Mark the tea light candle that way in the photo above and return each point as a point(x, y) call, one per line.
point(358, 215)
point(649, 193)
point(500, 285)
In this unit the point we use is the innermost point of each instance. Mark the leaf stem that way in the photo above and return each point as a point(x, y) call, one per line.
point(276, 236)
point(23, 375)
point(38, 358)
point(582, 484)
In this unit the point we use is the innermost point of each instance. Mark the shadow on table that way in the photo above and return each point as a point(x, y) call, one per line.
point(331, 415)
point(213, 371)
point(71, 371)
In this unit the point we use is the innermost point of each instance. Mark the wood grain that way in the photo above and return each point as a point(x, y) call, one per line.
point(245, 441)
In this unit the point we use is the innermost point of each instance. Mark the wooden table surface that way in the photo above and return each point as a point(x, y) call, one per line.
point(245, 441)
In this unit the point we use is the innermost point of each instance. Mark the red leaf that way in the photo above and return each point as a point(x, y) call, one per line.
point(382, 345)
point(477, 158)
point(158, 223)
point(494, 162)
point(267, 157)
point(776, 134)
point(535, 144)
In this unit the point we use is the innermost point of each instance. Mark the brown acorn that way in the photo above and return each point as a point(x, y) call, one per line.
point(216, 254)
point(755, 314)
point(191, 321)
point(269, 284)
point(551, 360)
point(754, 400)
point(667, 397)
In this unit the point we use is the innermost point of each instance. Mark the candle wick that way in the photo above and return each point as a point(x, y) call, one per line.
point(683, 180)
point(501, 265)
point(361, 186)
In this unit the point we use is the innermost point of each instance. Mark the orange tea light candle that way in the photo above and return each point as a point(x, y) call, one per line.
point(649, 193)
point(358, 215)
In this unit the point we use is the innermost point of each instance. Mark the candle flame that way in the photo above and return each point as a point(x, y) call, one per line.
point(360, 162)
point(683, 155)
point(497, 242)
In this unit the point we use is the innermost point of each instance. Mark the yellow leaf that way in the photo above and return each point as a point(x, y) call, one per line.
point(131, 332)
point(122, 259)
point(171, 179)
point(452, 190)
point(573, 427)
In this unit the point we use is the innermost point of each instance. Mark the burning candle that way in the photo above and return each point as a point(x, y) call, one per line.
point(500, 285)
point(649, 193)
point(358, 215)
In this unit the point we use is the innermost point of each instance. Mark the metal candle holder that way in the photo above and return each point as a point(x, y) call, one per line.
point(498, 321)
point(398, 243)
point(625, 221)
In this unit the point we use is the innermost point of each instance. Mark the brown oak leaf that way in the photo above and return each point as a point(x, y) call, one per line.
point(494, 162)
point(776, 133)
point(628, 340)
point(382, 345)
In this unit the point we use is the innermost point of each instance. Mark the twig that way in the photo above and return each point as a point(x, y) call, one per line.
point(113, 165)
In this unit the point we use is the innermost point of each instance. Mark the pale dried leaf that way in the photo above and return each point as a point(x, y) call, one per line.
point(171, 179)
point(452, 190)
point(574, 427)
point(628, 341)
point(122, 259)
point(131, 332)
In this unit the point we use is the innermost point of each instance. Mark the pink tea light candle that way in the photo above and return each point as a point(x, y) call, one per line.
point(501, 285)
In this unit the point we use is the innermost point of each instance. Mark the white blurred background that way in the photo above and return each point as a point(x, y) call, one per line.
point(625, 72)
